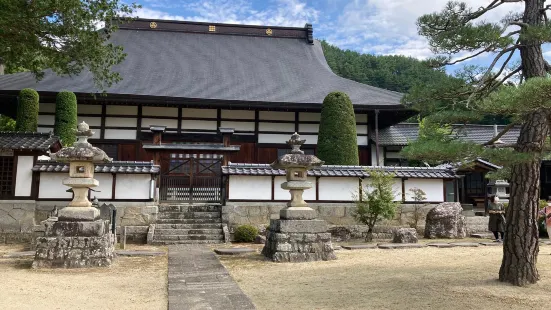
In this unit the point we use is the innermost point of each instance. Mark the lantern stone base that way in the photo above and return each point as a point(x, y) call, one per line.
point(297, 213)
point(69, 244)
point(298, 241)
point(78, 214)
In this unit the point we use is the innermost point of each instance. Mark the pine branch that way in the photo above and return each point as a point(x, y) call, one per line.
point(470, 56)
point(499, 135)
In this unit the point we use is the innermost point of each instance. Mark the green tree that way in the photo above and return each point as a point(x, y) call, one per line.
point(460, 29)
point(418, 196)
point(66, 117)
point(377, 201)
point(27, 111)
point(337, 138)
point(7, 124)
point(61, 35)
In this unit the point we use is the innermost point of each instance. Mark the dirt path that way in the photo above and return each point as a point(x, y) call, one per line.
point(130, 283)
point(427, 278)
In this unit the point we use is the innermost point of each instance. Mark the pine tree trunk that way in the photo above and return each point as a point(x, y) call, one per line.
point(520, 248)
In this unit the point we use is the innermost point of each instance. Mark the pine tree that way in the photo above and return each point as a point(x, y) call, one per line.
point(337, 138)
point(459, 29)
point(27, 111)
point(66, 117)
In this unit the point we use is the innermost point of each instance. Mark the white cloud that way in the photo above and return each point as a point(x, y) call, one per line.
point(390, 25)
point(276, 13)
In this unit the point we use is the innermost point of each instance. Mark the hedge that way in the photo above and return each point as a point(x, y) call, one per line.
point(337, 138)
point(66, 117)
point(27, 111)
point(245, 233)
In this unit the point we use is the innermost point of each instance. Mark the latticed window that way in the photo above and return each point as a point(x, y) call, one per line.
point(6, 176)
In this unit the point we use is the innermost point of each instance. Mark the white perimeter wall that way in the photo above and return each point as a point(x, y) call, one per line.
point(243, 187)
point(133, 186)
point(23, 182)
point(433, 188)
point(128, 186)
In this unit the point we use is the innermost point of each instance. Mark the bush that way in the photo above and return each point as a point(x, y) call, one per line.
point(245, 233)
point(337, 138)
point(66, 117)
point(7, 124)
point(27, 111)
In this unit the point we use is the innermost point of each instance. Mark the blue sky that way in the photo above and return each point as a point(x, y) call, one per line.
point(385, 27)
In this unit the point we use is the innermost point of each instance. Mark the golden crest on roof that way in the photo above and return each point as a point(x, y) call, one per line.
point(212, 28)
point(153, 25)
point(269, 31)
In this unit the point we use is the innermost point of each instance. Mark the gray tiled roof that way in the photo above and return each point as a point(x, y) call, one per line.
point(32, 141)
point(341, 171)
point(130, 167)
point(194, 66)
point(401, 134)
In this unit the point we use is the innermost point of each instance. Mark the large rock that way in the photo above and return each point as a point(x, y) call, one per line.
point(446, 221)
point(404, 235)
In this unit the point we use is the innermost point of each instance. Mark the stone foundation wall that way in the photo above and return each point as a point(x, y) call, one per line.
point(337, 215)
point(19, 218)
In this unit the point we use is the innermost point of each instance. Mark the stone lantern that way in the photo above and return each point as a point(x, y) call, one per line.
point(297, 236)
point(78, 237)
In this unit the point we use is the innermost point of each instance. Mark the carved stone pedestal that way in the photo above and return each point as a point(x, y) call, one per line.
point(70, 244)
point(298, 241)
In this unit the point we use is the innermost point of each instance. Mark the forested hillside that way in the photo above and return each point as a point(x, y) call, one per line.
point(397, 73)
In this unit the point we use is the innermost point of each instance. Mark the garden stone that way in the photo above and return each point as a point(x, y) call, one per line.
point(340, 233)
point(360, 246)
point(446, 221)
point(260, 239)
point(404, 235)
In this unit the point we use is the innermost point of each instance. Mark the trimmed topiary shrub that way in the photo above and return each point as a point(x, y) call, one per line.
point(27, 111)
point(337, 138)
point(66, 117)
point(245, 233)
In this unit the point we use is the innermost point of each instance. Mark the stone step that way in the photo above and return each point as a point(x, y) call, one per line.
point(189, 221)
point(167, 242)
point(189, 226)
point(187, 237)
point(165, 232)
point(189, 208)
point(189, 215)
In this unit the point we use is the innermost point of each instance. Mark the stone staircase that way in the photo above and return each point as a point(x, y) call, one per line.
point(188, 224)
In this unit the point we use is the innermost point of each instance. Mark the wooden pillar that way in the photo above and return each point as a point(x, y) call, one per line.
point(226, 140)
point(377, 137)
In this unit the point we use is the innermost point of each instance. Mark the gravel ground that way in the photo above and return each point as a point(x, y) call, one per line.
point(130, 283)
point(427, 278)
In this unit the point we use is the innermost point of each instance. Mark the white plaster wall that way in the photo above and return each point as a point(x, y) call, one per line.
point(122, 110)
point(283, 194)
point(272, 115)
point(374, 156)
point(237, 114)
point(121, 122)
point(45, 129)
point(393, 155)
point(250, 187)
point(308, 128)
point(284, 127)
point(199, 113)
point(310, 139)
point(105, 187)
point(338, 189)
point(46, 119)
point(46, 107)
point(396, 188)
point(244, 126)
point(309, 117)
point(433, 188)
point(159, 111)
point(51, 187)
point(120, 134)
point(192, 124)
point(361, 118)
point(92, 121)
point(88, 109)
point(24, 176)
point(361, 129)
point(132, 186)
point(362, 140)
point(169, 123)
point(272, 138)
